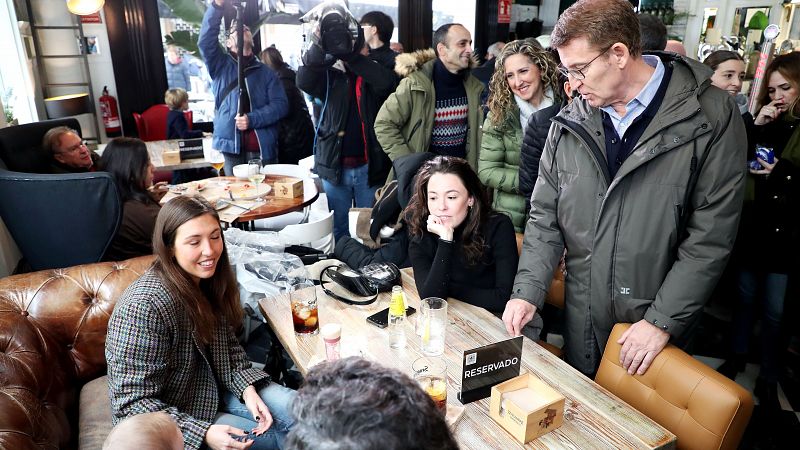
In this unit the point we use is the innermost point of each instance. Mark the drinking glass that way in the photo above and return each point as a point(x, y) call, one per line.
point(433, 323)
point(255, 175)
point(216, 160)
point(303, 300)
point(431, 374)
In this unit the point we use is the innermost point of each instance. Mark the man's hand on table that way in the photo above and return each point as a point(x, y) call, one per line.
point(641, 343)
point(517, 314)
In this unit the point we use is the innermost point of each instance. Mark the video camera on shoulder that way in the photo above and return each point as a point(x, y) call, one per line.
point(331, 26)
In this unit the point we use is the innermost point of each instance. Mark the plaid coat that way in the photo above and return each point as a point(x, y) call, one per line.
point(155, 362)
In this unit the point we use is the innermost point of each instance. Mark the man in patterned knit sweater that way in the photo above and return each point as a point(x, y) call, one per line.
point(436, 107)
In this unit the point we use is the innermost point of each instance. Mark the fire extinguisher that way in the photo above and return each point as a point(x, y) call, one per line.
point(108, 107)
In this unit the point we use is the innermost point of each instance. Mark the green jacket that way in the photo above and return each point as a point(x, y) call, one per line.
point(405, 121)
point(498, 165)
point(620, 234)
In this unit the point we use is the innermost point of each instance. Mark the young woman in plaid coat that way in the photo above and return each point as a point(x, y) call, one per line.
point(172, 344)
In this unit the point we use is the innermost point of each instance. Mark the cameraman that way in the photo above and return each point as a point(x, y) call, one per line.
point(352, 87)
point(263, 98)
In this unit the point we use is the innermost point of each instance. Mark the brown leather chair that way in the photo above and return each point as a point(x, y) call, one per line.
point(53, 326)
point(703, 408)
point(555, 297)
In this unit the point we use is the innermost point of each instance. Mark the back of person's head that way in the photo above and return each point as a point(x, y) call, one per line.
point(675, 47)
point(788, 65)
point(500, 96)
point(272, 57)
point(51, 141)
point(217, 296)
point(417, 211)
point(355, 404)
point(154, 430)
point(382, 22)
point(495, 49)
point(127, 160)
point(653, 31)
point(601, 22)
point(175, 98)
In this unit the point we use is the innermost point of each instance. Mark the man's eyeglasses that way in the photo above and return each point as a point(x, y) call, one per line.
point(578, 74)
point(75, 147)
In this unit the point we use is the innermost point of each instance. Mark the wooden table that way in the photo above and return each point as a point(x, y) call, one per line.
point(156, 148)
point(272, 206)
point(593, 417)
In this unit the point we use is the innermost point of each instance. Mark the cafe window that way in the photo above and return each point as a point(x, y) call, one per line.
point(16, 79)
point(449, 11)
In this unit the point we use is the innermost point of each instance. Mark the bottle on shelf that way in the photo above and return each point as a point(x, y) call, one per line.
point(397, 318)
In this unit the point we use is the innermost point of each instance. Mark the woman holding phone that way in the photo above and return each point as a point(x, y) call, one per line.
point(172, 342)
point(767, 244)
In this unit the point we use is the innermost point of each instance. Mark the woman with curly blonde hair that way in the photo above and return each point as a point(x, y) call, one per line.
point(525, 80)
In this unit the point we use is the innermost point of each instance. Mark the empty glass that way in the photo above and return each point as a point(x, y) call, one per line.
point(433, 324)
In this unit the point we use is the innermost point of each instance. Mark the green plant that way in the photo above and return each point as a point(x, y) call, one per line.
point(8, 108)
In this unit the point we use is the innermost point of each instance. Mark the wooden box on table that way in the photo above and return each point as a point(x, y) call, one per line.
point(526, 407)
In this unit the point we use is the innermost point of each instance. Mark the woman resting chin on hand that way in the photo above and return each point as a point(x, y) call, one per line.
point(459, 247)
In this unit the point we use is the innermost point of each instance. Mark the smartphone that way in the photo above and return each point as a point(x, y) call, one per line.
point(381, 318)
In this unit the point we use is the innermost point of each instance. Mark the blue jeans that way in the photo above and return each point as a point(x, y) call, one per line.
point(772, 287)
point(242, 158)
point(354, 185)
point(278, 399)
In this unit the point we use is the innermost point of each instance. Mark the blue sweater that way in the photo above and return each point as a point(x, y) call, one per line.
point(178, 128)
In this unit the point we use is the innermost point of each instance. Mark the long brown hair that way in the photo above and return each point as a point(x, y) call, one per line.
point(787, 65)
point(417, 212)
point(500, 96)
point(216, 297)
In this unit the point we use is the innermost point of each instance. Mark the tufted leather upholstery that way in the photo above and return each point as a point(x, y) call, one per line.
point(703, 408)
point(53, 328)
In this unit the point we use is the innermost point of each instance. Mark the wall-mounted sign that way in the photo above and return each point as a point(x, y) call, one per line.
point(503, 11)
point(486, 366)
point(92, 18)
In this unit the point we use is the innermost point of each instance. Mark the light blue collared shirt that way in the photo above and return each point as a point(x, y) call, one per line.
point(638, 104)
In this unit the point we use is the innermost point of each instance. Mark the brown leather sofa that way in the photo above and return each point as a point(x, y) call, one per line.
point(702, 407)
point(53, 326)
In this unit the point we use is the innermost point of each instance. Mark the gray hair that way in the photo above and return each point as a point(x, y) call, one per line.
point(355, 404)
point(495, 48)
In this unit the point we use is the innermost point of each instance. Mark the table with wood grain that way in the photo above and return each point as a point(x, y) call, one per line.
point(593, 417)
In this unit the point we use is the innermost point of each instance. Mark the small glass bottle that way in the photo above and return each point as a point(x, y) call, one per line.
point(397, 318)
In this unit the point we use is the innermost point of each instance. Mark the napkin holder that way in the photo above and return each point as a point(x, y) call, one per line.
point(529, 408)
point(171, 157)
point(288, 188)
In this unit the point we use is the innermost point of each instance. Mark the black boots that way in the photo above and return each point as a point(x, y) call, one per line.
point(733, 366)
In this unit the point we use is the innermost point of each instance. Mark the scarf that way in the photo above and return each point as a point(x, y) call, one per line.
point(526, 110)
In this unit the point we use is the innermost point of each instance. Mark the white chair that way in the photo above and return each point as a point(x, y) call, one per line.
point(279, 222)
point(316, 233)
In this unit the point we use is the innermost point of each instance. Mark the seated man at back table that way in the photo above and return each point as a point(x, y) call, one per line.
point(68, 152)
point(383, 408)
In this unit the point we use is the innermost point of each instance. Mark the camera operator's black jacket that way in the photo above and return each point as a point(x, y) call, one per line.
point(332, 87)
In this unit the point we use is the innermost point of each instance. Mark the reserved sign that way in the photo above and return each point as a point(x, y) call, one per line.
point(486, 366)
point(191, 148)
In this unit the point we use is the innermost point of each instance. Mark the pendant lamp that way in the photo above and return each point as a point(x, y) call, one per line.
point(84, 7)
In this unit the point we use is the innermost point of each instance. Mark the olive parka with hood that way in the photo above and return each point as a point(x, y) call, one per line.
point(621, 234)
point(405, 121)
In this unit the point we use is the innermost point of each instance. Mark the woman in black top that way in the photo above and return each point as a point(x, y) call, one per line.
point(765, 254)
point(459, 247)
point(129, 163)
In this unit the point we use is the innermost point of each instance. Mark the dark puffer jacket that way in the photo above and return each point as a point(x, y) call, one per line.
point(533, 139)
point(295, 131)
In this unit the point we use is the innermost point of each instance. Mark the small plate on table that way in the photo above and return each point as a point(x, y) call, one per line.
point(248, 191)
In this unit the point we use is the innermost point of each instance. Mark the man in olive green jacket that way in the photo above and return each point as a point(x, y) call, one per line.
point(632, 255)
point(405, 123)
